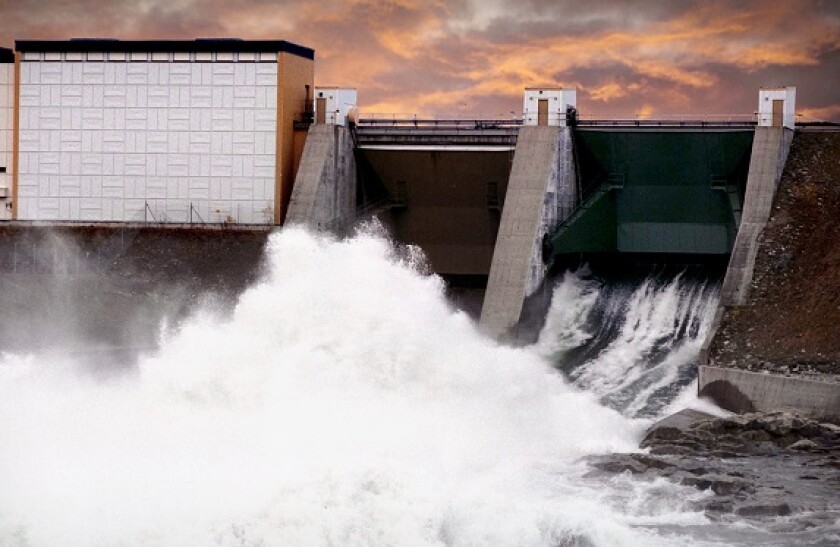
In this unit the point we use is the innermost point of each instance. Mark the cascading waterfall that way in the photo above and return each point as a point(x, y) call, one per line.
point(344, 402)
point(632, 343)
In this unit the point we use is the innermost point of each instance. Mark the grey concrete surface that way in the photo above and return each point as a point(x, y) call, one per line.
point(540, 193)
point(744, 391)
point(769, 153)
point(324, 194)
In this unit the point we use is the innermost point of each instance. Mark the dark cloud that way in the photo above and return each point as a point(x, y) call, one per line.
point(430, 56)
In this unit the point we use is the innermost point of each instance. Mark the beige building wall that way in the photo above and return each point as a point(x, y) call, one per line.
point(294, 74)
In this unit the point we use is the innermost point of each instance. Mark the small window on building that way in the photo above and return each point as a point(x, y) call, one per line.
point(2, 169)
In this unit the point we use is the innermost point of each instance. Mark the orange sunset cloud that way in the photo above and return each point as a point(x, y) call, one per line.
point(475, 57)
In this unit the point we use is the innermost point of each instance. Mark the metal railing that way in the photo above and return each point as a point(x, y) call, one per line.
point(369, 119)
point(672, 117)
point(671, 120)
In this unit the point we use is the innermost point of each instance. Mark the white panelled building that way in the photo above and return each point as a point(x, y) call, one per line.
point(154, 131)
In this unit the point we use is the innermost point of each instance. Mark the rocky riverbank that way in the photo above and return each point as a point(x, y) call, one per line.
point(791, 320)
point(755, 467)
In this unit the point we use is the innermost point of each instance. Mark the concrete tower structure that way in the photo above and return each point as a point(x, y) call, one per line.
point(335, 105)
point(777, 107)
point(548, 106)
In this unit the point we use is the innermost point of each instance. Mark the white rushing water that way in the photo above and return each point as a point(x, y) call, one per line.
point(343, 402)
point(633, 344)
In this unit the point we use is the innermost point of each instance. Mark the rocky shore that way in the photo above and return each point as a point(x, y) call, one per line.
point(791, 320)
point(756, 467)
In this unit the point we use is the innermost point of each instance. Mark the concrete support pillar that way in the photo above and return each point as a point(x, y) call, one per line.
point(540, 194)
point(324, 194)
point(769, 153)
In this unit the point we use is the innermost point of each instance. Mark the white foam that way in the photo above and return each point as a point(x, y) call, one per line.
point(656, 333)
point(343, 402)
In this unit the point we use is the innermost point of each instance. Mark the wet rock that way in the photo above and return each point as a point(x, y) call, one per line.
point(718, 506)
point(771, 510)
point(698, 483)
point(752, 433)
point(623, 465)
point(756, 466)
point(804, 444)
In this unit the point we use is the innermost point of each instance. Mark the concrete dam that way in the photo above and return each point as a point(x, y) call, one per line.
point(234, 135)
point(165, 341)
point(628, 190)
point(497, 202)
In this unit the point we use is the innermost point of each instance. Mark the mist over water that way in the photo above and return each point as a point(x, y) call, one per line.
point(342, 402)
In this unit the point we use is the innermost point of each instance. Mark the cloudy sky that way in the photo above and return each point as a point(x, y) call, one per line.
point(474, 57)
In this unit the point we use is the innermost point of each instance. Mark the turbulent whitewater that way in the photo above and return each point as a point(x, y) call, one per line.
point(342, 402)
point(632, 341)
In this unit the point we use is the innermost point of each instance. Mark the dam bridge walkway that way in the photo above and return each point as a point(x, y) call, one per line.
point(396, 132)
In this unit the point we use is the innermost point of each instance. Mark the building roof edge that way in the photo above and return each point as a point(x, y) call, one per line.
point(201, 45)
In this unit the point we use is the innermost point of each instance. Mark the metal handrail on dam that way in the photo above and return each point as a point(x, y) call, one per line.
point(405, 132)
point(669, 123)
point(454, 123)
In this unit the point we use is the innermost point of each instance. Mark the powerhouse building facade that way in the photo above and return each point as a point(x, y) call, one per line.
point(197, 131)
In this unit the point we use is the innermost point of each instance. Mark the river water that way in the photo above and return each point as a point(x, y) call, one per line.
point(343, 401)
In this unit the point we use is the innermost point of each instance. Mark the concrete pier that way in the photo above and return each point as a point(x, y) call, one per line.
point(769, 153)
point(324, 195)
point(541, 193)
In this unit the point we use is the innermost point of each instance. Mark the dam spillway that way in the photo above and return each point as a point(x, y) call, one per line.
point(647, 189)
point(674, 191)
point(448, 202)
point(666, 189)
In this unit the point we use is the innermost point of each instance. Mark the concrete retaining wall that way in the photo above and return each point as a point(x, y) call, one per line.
point(541, 192)
point(324, 195)
point(743, 391)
